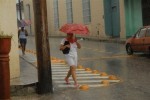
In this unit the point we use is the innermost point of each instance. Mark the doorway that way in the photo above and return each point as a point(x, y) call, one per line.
point(133, 16)
point(112, 18)
point(146, 12)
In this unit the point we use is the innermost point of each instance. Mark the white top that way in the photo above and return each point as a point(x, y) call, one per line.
point(22, 35)
point(73, 47)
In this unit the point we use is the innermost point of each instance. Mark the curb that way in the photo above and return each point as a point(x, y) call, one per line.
point(102, 39)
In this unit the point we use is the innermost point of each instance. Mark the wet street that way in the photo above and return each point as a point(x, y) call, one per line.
point(133, 71)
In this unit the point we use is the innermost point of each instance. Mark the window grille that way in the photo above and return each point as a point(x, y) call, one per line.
point(69, 11)
point(56, 14)
point(86, 11)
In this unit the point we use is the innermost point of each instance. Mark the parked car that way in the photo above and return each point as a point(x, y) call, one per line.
point(139, 42)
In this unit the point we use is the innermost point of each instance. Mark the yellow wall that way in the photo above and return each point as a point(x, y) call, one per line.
point(77, 11)
point(8, 23)
point(122, 19)
point(97, 14)
point(97, 24)
point(50, 12)
point(62, 15)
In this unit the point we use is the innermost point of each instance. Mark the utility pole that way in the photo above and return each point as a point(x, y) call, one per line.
point(42, 47)
point(20, 7)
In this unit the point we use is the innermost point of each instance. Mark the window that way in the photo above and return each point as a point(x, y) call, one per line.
point(69, 11)
point(86, 11)
point(56, 14)
point(148, 32)
point(137, 34)
point(142, 33)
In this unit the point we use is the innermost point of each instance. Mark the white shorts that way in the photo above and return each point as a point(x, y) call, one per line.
point(71, 60)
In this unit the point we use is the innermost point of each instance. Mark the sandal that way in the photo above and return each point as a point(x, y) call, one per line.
point(67, 81)
point(76, 85)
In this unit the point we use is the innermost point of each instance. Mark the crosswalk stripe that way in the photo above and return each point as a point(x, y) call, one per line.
point(63, 75)
point(53, 67)
point(78, 72)
point(59, 65)
point(64, 70)
point(82, 77)
point(63, 67)
point(95, 85)
point(88, 81)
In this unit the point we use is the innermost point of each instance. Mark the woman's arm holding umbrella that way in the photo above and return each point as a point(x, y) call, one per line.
point(78, 45)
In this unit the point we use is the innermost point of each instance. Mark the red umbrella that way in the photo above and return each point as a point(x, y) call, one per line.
point(75, 28)
point(23, 23)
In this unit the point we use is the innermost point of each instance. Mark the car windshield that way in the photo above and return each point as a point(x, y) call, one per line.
point(148, 32)
point(141, 33)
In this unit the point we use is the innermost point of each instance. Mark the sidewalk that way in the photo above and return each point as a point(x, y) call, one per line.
point(25, 84)
point(28, 74)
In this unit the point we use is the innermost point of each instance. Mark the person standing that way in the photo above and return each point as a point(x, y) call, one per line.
point(71, 56)
point(22, 35)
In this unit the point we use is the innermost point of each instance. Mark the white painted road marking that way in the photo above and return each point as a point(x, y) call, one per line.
point(63, 75)
point(78, 72)
point(88, 81)
point(59, 65)
point(65, 70)
point(94, 85)
point(88, 77)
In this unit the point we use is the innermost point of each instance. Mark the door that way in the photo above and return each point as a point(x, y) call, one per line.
point(134, 41)
point(133, 16)
point(138, 42)
point(112, 18)
point(145, 12)
point(115, 18)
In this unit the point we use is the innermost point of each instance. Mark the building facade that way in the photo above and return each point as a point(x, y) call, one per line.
point(29, 14)
point(104, 18)
point(8, 24)
point(136, 15)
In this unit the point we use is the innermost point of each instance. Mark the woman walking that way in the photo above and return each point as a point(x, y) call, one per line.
point(69, 47)
point(22, 35)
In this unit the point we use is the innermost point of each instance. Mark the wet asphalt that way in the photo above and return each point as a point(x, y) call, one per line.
point(109, 57)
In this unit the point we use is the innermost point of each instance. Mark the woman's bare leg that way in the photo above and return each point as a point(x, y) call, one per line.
point(68, 75)
point(23, 49)
point(73, 73)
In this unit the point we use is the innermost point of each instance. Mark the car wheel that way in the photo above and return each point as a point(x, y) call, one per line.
point(129, 49)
